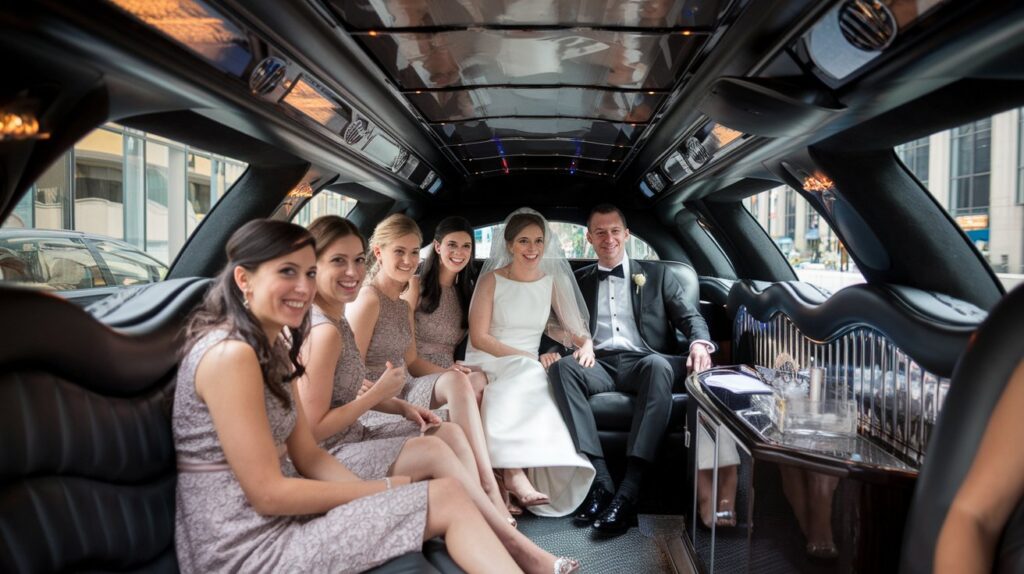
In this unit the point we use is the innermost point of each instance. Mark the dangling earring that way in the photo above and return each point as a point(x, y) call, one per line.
point(245, 300)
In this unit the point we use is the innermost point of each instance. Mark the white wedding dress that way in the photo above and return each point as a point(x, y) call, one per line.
point(523, 425)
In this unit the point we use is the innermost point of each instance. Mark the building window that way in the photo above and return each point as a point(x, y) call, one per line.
point(115, 184)
point(971, 168)
point(326, 202)
point(1020, 155)
point(790, 229)
point(914, 155)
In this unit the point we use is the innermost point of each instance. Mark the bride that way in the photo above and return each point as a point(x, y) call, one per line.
point(526, 288)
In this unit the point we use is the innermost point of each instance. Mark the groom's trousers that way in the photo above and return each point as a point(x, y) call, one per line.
point(649, 376)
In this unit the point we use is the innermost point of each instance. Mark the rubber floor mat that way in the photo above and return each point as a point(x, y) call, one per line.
point(641, 550)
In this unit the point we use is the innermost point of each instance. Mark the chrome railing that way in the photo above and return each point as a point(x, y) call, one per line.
point(898, 401)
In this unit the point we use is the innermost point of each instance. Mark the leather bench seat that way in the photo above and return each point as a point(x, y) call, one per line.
point(613, 411)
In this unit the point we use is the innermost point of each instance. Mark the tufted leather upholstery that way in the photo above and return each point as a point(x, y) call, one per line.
point(977, 383)
point(87, 466)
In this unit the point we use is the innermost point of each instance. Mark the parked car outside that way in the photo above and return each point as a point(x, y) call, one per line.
point(72, 260)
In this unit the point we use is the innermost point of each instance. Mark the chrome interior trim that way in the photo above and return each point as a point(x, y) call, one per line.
point(898, 401)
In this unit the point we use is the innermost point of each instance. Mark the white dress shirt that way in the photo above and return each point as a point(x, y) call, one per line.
point(616, 324)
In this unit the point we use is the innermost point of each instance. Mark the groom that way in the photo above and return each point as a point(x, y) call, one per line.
point(635, 309)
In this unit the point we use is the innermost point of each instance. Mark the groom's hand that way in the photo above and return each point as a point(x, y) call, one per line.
point(699, 359)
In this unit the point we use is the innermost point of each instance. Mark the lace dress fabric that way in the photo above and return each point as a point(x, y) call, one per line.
point(217, 530)
point(391, 337)
point(438, 333)
point(367, 450)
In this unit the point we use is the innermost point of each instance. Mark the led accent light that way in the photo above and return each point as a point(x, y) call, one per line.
point(311, 102)
point(267, 75)
point(19, 126)
point(818, 182)
point(200, 28)
point(301, 190)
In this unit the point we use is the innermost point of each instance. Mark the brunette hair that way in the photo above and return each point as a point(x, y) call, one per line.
point(330, 228)
point(391, 228)
point(604, 209)
point(223, 305)
point(430, 286)
point(521, 221)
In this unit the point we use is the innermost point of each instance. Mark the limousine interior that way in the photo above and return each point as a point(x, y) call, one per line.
point(690, 115)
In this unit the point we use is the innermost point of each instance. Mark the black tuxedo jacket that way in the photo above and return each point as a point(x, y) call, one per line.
point(660, 309)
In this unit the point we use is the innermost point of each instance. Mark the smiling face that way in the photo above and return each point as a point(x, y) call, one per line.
point(340, 270)
point(527, 246)
point(608, 235)
point(280, 291)
point(455, 250)
point(399, 258)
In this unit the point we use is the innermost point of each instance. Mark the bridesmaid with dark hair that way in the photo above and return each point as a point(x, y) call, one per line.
point(440, 295)
point(235, 418)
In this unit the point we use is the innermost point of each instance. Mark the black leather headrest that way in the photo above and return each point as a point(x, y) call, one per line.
point(687, 278)
point(977, 384)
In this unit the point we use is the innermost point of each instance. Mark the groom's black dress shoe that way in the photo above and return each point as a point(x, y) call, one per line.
point(595, 503)
point(617, 518)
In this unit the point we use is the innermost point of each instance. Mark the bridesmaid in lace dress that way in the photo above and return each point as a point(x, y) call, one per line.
point(383, 326)
point(235, 418)
point(334, 376)
point(440, 295)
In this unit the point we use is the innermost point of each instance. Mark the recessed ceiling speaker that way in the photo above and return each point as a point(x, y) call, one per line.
point(868, 25)
point(267, 75)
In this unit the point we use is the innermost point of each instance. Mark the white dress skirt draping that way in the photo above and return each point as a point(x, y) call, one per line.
point(523, 425)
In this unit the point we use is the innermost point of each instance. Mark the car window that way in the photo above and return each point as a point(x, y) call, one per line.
point(326, 202)
point(574, 242)
point(122, 184)
point(976, 172)
point(59, 264)
point(128, 266)
point(804, 237)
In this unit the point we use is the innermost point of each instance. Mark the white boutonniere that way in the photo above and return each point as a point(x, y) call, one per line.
point(640, 280)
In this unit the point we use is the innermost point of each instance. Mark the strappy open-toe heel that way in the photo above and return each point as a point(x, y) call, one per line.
point(565, 565)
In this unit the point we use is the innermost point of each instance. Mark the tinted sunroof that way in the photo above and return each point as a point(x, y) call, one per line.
point(534, 84)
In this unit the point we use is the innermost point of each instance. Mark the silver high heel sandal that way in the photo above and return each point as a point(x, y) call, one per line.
point(565, 565)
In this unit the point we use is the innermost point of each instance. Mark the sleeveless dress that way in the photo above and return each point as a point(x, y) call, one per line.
point(217, 530)
point(438, 333)
point(391, 337)
point(523, 425)
point(368, 451)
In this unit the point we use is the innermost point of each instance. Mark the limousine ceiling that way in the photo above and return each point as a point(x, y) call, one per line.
point(625, 98)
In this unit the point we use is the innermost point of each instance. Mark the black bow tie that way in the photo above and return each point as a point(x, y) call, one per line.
point(602, 274)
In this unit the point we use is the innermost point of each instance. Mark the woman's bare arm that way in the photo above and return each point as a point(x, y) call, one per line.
point(320, 354)
point(992, 489)
point(362, 315)
point(230, 382)
point(480, 321)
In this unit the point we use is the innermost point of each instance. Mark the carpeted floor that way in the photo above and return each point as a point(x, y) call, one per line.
point(640, 550)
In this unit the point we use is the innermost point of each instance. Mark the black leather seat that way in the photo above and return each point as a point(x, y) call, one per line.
point(977, 383)
point(87, 465)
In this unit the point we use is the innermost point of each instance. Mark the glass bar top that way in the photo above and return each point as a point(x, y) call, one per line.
point(377, 14)
point(477, 57)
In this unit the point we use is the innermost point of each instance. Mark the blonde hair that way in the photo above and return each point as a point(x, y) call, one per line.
point(391, 228)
